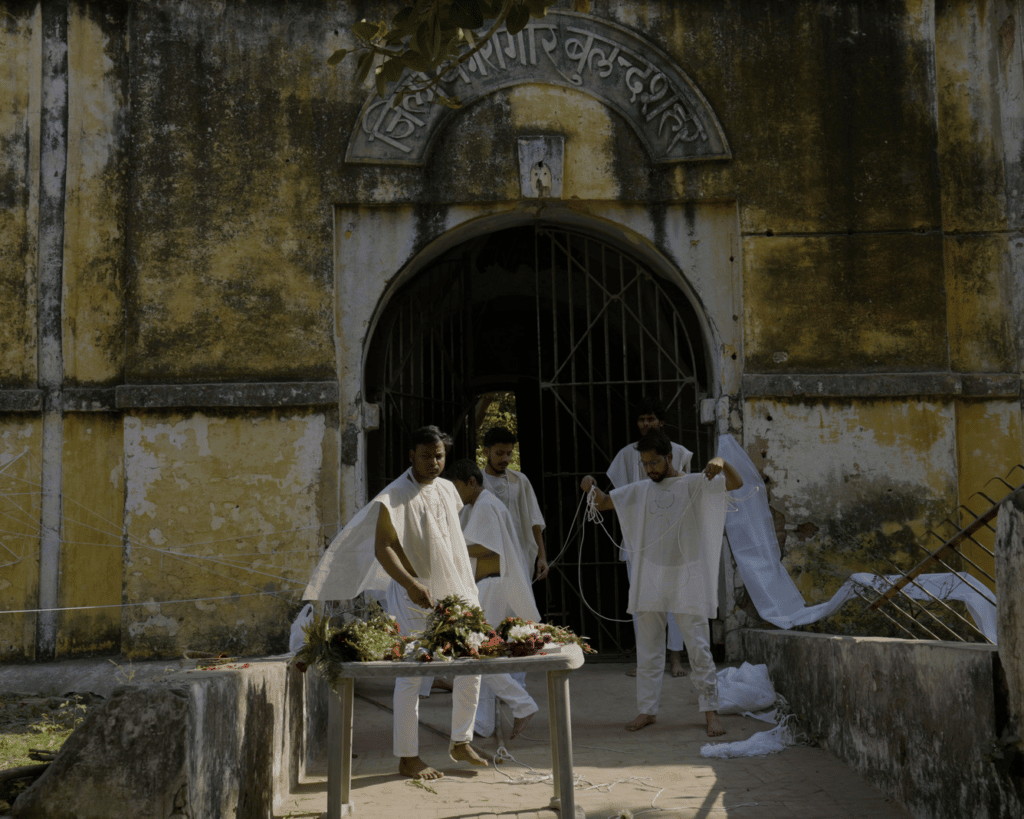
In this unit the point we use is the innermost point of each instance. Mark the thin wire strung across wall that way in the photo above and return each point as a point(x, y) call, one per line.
point(20, 504)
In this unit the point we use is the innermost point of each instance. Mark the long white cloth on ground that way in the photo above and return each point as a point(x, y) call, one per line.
point(759, 561)
point(488, 522)
point(673, 530)
point(515, 491)
point(426, 520)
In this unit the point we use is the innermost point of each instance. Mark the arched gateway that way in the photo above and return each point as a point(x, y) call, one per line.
point(578, 330)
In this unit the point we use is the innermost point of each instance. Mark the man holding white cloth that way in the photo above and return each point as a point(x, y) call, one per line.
point(408, 542)
point(672, 526)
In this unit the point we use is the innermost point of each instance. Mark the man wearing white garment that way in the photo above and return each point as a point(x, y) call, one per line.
point(408, 542)
point(625, 469)
point(672, 524)
point(514, 490)
point(502, 582)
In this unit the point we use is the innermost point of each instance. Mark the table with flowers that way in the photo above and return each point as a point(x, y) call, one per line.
point(555, 661)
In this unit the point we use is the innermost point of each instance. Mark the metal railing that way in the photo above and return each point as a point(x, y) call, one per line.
point(962, 545)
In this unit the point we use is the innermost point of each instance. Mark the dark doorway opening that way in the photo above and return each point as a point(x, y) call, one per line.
point(579, 331)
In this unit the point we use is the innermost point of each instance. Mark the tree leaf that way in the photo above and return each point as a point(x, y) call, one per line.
point(393, 68)
point(363, 67)
point(518, 17)
point(382, 84)
point(537, 8)
point(366, 31)
point(337, 56)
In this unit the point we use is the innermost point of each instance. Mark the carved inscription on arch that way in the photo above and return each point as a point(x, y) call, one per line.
point(611, 63)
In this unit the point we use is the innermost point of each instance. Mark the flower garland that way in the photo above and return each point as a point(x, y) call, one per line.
point(454, 630)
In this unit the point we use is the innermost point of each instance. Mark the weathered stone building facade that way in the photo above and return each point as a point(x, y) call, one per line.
point(231, 277)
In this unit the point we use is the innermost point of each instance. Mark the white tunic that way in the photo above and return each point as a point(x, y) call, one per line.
point(673, 533)
point(515, 491)
point(426, 520)
point(488, 523)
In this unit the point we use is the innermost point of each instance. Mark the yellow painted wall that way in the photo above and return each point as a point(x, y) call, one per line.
point(92, 553)
point(226, 508)
point(20, 456)
point(990, 454)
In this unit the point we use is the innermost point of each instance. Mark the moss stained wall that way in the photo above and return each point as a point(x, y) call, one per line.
point(20, 46)
point(97, 180)
point(20, 456)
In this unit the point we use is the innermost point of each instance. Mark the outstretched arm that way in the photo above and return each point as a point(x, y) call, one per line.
point(732, 477)
point(391, 556)
point(603, 502)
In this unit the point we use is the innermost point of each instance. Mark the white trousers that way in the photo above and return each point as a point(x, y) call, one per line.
point(650, 659)
point(466, 690)
point(675, 636)
point(508, 689)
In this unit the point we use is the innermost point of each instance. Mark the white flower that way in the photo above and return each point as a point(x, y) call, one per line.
point(522, 632)
point(475, 639)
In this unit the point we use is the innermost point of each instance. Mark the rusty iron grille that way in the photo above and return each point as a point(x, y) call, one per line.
point(579, 331)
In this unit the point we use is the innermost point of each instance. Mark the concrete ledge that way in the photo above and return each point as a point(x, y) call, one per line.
point(195, 744)
point(916, 718)
point(881, 385)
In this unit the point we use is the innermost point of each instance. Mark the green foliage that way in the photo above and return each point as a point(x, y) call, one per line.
point(499, 410)
point(425, 39)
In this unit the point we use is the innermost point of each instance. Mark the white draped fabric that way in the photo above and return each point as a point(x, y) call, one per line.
point(755, 549)
point(488, 522)
point(426, 520)
point(515, 491)
point(673, 532)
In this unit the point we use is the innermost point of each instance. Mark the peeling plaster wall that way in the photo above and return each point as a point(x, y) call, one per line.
point(219, 507)
point(853, 484)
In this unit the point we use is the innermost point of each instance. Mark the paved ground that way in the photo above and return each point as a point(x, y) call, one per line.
point(657, 773)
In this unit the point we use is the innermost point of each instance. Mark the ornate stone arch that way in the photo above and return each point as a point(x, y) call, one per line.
point(605, 60)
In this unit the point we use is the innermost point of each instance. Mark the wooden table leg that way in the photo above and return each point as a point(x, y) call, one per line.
point(339, 750)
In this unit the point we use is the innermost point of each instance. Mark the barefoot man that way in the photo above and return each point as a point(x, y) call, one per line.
point(624, 469)
point(672, 526)
point(407, 541)
point(503, 584)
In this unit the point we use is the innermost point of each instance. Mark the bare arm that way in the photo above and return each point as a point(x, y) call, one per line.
point(732, 477)
point(478, 551)
point(603, 502)
point(391, 556)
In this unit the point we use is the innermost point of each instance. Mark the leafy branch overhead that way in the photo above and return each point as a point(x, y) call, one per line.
point(430, 37)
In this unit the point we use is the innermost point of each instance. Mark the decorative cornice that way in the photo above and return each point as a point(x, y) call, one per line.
point(881, 385)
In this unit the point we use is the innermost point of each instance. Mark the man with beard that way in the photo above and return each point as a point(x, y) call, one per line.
point(625, 469)
point(514, 490)
point(408, 542)
point(672, 526)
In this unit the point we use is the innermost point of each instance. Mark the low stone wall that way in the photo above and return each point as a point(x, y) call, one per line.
point(196, 744)
point(916, 718)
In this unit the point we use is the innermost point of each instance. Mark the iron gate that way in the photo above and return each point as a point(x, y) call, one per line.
point(579, 331)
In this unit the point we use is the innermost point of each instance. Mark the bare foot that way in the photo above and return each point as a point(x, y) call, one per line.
point(464, 752)
point(642, 721)
point(675, 662)
point(519, 725)
point(416, 768)
point(715, 728)
point(631, 672)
